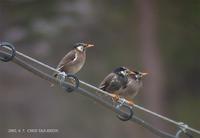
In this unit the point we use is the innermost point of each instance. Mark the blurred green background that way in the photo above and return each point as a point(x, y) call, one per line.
point(158, 37)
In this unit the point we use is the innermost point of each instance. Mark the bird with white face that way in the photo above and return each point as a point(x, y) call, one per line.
point(73, 61)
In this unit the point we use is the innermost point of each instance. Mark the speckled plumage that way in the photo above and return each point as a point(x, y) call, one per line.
point(113, 83)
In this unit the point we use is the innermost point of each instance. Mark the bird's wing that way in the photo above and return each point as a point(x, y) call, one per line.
point(106, 82)
point(67, 59)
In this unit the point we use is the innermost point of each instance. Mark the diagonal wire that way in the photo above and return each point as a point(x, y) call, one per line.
point(100, 100)
point(54, 70)
point(82, 91)
point(106, 93)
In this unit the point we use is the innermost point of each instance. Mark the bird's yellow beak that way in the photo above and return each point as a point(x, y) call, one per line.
point(143, 74)
point(89, 45)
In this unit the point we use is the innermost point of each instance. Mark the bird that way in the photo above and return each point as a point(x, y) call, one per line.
point(122, 82)
point(134, 84)
point(74, 60)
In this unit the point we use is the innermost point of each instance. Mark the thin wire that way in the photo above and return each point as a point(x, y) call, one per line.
point(101, 91)
point(93, 96)
point(106, 93)
point(53, 69)
point(165, 118)
point(151, 128)
point(36, 61)
point(95, 88)
point(155, 114)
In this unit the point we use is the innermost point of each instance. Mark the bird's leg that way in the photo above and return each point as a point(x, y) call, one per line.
point(129, 101)
point(115, 97)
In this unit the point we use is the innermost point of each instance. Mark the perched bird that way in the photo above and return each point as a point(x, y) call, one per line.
point(134, 84)
point(73, 61)
point(123, 82)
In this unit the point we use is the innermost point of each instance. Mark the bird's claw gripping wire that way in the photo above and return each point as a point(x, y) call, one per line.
point(183, 129)
point(61, 76)
point(122, 103)
point(115, 97)
point(7, 57)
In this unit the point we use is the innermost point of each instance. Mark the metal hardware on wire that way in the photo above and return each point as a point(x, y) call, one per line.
point(62, 75)
point(164, 118)
point(183, 129)
point(54, 70)
point(85, 92)
point(6, 58)
point(124, 117)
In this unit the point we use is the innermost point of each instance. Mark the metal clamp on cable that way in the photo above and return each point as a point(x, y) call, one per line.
point(183, 129)
point(124, 117)
point(73, 79)
point(7, 57)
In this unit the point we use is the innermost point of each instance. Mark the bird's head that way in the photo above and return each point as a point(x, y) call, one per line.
point(82, 46)
point(137, 75)
point(122, 71)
